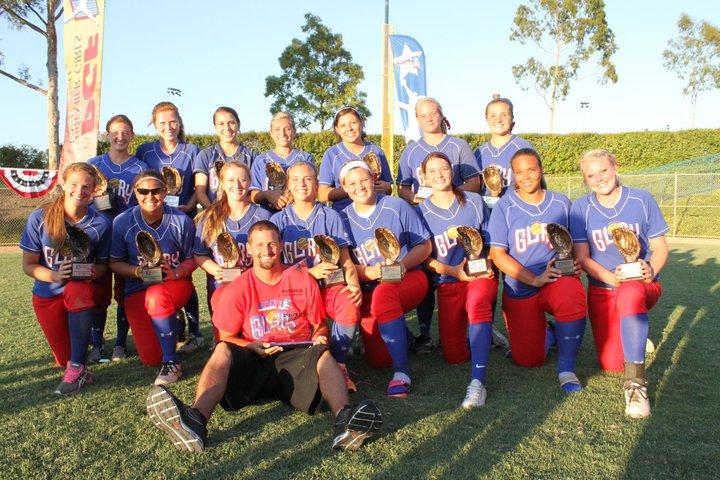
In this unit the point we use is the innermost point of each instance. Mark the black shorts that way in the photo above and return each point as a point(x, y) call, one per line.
point(290, 376)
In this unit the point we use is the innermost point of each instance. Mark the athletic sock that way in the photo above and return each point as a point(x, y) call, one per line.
point(480, 337)
point(425, 312)
point(394, 333)
point(550, 339)
point(122, 328)
point(97, 328)
point(568, 336)
point(79, 327)
point(167, 336)
point(192, 312)
point(634, 333)
point(341, 337)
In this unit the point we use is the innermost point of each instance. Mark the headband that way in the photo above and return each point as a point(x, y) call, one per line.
point(351, 165)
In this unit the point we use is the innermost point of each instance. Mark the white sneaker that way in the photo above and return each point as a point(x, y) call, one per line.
point(637, 404)
point(476, 395)
point(191, 344)
point(499, 340)
point(169, 373)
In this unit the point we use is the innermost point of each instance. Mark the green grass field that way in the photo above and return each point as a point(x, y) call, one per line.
point(527, 429)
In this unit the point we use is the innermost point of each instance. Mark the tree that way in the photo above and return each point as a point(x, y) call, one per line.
point(22, 157)
point(569, 32)
point(695, 55)
point(39, 16)
point(318, 77)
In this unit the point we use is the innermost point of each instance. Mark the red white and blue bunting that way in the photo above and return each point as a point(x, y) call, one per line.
point(29, 183)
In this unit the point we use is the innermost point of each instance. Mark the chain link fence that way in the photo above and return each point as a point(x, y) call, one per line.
point(690, 202)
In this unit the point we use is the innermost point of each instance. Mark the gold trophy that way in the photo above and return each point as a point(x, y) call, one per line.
point(389, 246)
point(173, 183)
point(627, 242)
point(218, 166)
point(472, 243)
point(151, 253)
point(276, 176)
point(230, 254)
point(105, 191)
point(493, 179)
point(76, 246)
point(373, 161)
point(562, 243)
point(329, 252)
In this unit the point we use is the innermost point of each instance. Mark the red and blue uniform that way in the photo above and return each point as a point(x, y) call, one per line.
point(486, 155)
point(59, 307)
point(181, 158)
point(337, 156)
point(148, 306)
point(259, 179)
point(618, 315)
point(204, 162)
point(519, 227)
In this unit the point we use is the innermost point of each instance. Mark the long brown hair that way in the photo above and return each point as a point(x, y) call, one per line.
point(215, 215)
point(169, 107)
point(119, 119)
point(459, 194)
point(54, 216)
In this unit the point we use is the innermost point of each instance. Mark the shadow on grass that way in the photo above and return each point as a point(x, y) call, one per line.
point(682, 429)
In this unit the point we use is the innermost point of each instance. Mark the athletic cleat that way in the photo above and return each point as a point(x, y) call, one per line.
point(637, 404)
point(185, 426)
point(498, 339)
point(95, 355)
point(569, 382)
point(475, 396)
point(351, 387)
point(398, 388)
point(423, 344)
point(76, 377)
point(191, 344)
point(355, 425)
point(118, 354)
point(170, 372)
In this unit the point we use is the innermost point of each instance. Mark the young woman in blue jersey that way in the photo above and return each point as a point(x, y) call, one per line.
point(618, 308)
point(118, 165)
point(232, 212)
point(228, 149)
point(532, 286)
point(465, 176)
point(384, 304)
point(465, 304)
point(65, 307)
point(282, 133)
point(349, 130)
point(152, 309)
point(172, 150)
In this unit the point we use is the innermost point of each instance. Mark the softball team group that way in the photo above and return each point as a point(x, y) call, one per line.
point(440, 188)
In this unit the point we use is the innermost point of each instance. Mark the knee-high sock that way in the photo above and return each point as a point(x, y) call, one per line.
point(122, 328)
point(425, 312)
point(480, 337)
point(167, 336)
point(192, 311)
point(79, 326)
point(341, 337)
point(97, 328)
point(568, 336)
point(394, 333)
point(634, 333)
point(549, 338)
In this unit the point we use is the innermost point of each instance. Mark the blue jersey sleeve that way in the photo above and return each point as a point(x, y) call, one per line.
point(199, 246)
point(257, 173)
point(188, 237)
point(385, 174)
point(404, 176)
point(336, 228)
point(118, 245)
point(31, 237)
point(657, 227)
point(577, 224)
point(415, 230)
point(103, 249)
point(327, 176)
point(468, 164)
point(497, 226)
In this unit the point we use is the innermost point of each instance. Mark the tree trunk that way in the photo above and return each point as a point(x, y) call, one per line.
point(553, 95)
point(53, 117)
point(693, 105)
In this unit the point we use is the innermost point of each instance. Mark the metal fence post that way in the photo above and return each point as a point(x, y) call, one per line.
point(675, 195)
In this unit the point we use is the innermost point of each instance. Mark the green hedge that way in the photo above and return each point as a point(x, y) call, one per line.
point(560, 153)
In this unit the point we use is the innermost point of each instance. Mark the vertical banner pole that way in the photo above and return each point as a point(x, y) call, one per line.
point(386, 142)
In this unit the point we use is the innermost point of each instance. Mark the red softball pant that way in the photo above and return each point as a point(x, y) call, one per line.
point(525, 317)
point(52, 315)
point(607, 306)
point(159, 300)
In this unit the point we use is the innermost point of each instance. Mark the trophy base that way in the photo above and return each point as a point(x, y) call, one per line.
point(391, 273)
point(631, 271)
point(230, 274)
point(151, 276)
point(477, 267)
point(172, 201)
point(276, 188)
point(424, 192)
point(337, 277)
point(490, 201)
point(566, 266)
point(104, 202)
point(81, 271)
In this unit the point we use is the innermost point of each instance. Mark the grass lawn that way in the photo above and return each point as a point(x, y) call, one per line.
point(528, 428)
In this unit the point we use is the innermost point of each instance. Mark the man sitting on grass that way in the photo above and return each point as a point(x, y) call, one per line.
point(269, 305)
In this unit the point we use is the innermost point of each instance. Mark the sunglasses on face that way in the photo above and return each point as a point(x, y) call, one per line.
point(148, 191)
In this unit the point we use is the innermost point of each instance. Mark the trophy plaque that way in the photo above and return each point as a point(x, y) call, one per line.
point(494, 183)
point(627, 242)
point(562, 243)
point(151, 253)
point(230, 254)
point(173, 183)
point(105, 192)
point(76, 246)
point(329, 252)
point(218, 165)
point(389, 246)
point(472, 243)
point(276, 176)
point(373, 161)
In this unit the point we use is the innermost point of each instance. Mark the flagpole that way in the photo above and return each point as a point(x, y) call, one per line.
point(386, 141)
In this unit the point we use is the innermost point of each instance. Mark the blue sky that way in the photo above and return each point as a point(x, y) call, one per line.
point(219, 53)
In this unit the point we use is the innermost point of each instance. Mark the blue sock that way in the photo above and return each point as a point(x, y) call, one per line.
point(79, 327)
point(341, 337)
point(480, 336)
point(550, 339)
point(634, 333)
point(425, 312)
point(192, 312)
point(122, 328)
point(98, 328)
point(394, 333)
point(568, 336)
point(165, 329)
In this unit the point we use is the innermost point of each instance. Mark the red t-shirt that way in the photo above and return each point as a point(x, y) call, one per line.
point(272, 313)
